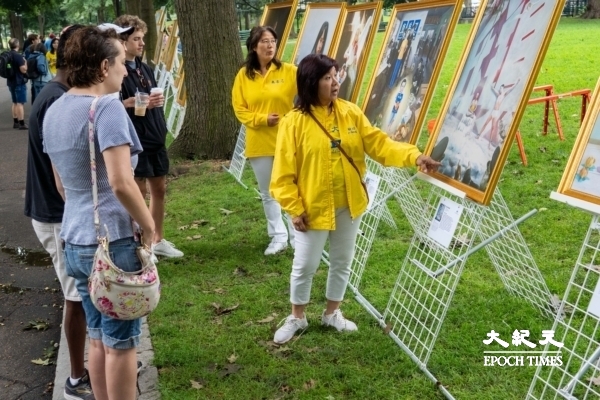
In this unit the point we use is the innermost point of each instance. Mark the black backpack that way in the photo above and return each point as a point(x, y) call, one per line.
point(6, 69)
point(32, 68)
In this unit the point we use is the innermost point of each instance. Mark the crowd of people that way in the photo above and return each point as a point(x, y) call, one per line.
point(307, 148)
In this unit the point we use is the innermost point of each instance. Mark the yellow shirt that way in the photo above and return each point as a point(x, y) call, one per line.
point(340, 198)
point(51, 62)
point(253, 100)
point(303, 179)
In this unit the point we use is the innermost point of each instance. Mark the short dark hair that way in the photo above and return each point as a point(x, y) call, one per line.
point(310, 70)
point(252, 63)
point(85, 51)
point(60, 51)
point(13, 43)
point(32, 36)
point(38, 47)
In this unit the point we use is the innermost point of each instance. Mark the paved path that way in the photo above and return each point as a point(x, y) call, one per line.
point(29, 290)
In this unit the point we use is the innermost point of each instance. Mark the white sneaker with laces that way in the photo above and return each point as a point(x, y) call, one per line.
point(338, 321)
point(167, 249)
point(289, 328)
point(275, 247)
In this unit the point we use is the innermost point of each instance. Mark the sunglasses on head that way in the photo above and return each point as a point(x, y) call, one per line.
point(142, 78)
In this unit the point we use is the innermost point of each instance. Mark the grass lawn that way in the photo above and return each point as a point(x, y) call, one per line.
point(221, 302)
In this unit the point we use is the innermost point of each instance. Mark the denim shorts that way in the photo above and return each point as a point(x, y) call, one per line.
point(114, 333)
point(18, 93)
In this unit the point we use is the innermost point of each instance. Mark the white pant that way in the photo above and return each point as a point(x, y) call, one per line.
point(262, 167)
point(49, 236)
point(307, 256)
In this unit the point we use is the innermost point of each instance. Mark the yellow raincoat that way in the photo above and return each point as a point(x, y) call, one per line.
point(302, 177)
point(253, 101)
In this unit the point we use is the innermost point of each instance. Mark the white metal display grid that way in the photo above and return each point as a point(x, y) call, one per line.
point(512, 259)
point(238, 160)
point(578, 378)
point(428, 278)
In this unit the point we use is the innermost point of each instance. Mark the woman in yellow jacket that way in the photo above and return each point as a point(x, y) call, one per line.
point(51, 56)
point(264, 91)
point(320, 188)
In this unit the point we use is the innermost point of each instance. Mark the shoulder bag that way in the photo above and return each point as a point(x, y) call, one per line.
point(114, 292)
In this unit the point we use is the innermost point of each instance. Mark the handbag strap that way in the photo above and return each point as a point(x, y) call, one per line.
point(350, 160)
point(91, 135)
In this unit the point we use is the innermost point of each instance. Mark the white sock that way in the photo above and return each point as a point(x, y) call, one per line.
point(74, 382)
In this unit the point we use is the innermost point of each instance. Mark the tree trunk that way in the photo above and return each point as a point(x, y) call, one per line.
point(16, 27)
point(147, 15)
point(41, 22)
point(117, 6)
point(133, 7)
point(593, 10)
point(102, 12)
point(210, 128)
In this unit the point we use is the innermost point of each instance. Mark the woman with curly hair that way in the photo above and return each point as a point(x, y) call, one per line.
point(95, 67)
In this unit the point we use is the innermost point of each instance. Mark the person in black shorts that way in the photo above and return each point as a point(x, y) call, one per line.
point(153, 163)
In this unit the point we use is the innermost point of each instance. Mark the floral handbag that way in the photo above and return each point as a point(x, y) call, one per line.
point(114, 292)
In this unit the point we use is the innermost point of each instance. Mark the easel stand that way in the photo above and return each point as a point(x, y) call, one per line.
point(577, 324)
point(430, 272)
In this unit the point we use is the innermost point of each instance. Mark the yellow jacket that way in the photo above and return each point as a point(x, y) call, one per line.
point(254, 100)
point(302, 178)
point(51, 62)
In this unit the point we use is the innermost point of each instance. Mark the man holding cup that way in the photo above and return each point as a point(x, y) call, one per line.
point(144, 103)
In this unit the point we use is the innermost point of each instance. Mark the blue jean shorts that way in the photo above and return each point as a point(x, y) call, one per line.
point(18, 93)
point(114, 333)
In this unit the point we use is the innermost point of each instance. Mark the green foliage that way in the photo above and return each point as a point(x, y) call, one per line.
point(86, 11)
point(392, 3)
point(23, 6)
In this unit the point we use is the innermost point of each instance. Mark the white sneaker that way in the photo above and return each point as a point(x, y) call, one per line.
point(154, 259)
point(338, 321)
point(289, 328)
point(275, 247)
point(166, 248)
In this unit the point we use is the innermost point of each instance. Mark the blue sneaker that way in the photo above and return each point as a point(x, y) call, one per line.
point(81, 391)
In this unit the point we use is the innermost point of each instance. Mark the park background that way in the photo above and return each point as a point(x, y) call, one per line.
point(220, 227)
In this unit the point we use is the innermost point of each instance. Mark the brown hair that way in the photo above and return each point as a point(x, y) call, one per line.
point(38, 47)
point(125, 21)
point(13, 43)
point(85, 51)
point(32, 36)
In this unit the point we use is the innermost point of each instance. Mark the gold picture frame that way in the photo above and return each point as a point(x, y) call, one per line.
point(320, 28)
point(489, 92)
point(408, 65)
point(181, 90)
point(581, 178)
point(351, 50)
point(277, 14)
point(171, 50)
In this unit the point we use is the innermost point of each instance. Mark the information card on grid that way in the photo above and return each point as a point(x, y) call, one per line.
point(444, 223)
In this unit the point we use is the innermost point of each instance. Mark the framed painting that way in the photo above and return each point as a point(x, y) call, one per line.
point(319, 29)
point(280, 17)
point(415, 45)
point(353, 45)
point(489, 92)
point(581, 179)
